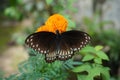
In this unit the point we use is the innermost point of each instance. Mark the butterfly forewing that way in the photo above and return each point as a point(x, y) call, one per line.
point(75, 39)
point(43, 42)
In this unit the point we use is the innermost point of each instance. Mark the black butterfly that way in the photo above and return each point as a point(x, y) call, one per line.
point(59, 46)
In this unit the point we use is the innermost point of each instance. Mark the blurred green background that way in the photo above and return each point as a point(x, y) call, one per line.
point(19, 18)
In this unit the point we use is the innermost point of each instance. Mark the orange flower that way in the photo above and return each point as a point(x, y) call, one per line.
point(54, 22)
point(43, 28)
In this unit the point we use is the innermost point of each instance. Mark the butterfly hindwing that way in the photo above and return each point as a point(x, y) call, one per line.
point(51, 56)
point(64, 51)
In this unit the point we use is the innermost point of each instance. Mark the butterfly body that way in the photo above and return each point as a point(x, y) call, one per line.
point(58, 46)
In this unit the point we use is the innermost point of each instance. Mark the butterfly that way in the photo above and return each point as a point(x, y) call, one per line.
point(58, 46)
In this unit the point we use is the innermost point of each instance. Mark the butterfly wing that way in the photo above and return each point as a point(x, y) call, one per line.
point(76, 39)
point(43, 42)
point(64, 52)
point(51, 56)
point(61, 48)
point(72, 41)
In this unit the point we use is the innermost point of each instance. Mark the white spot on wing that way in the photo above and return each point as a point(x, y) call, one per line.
point(38, 49)
point(31, 39)
point(44, 51)
point(27, 40)
point(85, 34)
point(78, 48)
point(69, 55)
point(31, 43)
point(36, 45)
point(81, 42)
point(71, 49)
point(65, 56)
point(71, 52)
point(88, 37)
point(75, 49)
point(62, 56)
point(31, 36)
point(60, 52)
point(86, 40)
point(81, 46)
point(41, 51)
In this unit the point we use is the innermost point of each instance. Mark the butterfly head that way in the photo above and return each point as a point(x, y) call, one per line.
point(54, 23)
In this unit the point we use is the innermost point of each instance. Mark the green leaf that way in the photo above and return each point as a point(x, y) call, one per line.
point(105, 73)
point(102, 55)
point(98, 60)
point(12, 12)
point(97, 48)
point(84, 67)
point(71, 24)
point(88, 49)
point(20, 1)
point(81, 77)
point(49, 1)
point(88, 57)
point(92, 73)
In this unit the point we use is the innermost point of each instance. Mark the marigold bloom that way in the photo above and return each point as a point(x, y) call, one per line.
point(42, 28)
point(54, 22)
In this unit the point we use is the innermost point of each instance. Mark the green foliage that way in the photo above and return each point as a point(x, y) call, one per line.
point(111, 39)
point(1, 74)
point(95, 54)
point(36, 67)
point(94, 25)
point(107, 37)
point(13, 12)
point(71, 23)
point(105, 33)
point(38, 10)
point(49, 2)
point(92, 69)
